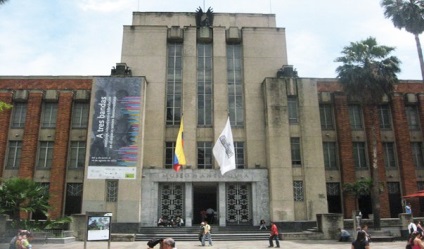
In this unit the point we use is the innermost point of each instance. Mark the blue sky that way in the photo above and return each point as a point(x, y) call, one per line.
point(84, 37)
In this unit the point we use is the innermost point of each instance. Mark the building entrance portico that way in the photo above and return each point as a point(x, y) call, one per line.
point(239, 197)
point(204, 197)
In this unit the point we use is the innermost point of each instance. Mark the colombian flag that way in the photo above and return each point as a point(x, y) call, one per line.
point(179, 157)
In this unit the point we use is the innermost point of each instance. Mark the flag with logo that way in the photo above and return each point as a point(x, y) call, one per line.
point(179, 157)
point(223, 150)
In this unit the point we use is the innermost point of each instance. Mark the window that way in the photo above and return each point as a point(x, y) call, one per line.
point(204, 155)
point(326, 116)
point(298, 190)
point(174, 84)
point(330, 160)
point(333, 188)
point(49, 115)
point(389, 155)
point(204, 84)
point(169, 154)
point(111, 190)
point(73, 201)
point(77, 155)
point(14, 155)
point(45, 155)
point(235, 87)
point(19, 111)
point(80, 115)
point(295, 151)
point(420, 185)
point(385, 117)
point(239, 149)
point(359, 155)
point(412, 117)
point(417, 154)
point(293, 110)
point(355, 117)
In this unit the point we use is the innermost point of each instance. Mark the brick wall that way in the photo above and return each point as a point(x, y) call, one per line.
point(344, 137)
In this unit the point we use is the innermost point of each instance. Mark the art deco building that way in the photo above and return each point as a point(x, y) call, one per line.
point(106, 144)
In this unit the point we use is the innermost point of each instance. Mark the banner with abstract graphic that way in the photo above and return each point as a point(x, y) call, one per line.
point(114, 136)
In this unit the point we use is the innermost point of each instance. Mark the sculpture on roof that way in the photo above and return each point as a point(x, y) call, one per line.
point(204, 19)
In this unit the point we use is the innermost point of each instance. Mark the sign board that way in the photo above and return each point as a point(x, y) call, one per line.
point(115, 127)
point(98, 228)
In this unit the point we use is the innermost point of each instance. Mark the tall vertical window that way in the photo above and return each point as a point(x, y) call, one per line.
point(111, 190)
point(412, 117)
point(204, 84)
point(355, 117)
point(80, 115)
point(389, 155)
point(417, 154)
point(49, 115)
point(77, 155)
point(295, 151)
point(326, 116)
point(420, 185)
point(330, 159)
point(239, 149)
point(235, 86)
point(14, 155)
point(19, 111)
point(174, 84)
point(298, 191)
point(293, 110)
point(169, 154)
point(73, 201)
point(204, 155)
point(385, 117)
point(45, 155)
point(359, 155)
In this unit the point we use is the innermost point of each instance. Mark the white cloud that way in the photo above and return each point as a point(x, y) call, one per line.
point(105, 5)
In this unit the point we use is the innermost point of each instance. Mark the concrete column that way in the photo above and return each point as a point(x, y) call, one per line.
point(222, 211)
point(188, 219)
point(328, 224)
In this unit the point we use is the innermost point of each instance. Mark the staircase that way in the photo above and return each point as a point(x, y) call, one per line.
point(230, 233)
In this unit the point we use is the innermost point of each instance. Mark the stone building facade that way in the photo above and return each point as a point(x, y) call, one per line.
point(297, 140)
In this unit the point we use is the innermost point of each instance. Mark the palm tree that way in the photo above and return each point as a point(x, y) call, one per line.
point(22, 195)
point(367, 75)
point(408, 14)
point(3, 1)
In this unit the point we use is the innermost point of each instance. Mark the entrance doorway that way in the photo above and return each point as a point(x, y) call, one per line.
point(204, 197)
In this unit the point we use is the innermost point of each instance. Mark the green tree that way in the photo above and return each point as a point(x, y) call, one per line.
point(358, 188)
point(368, 74)
point(22, 195)
point(407, 14)
point(4, 105)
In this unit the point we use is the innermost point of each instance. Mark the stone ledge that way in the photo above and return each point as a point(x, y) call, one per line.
point(64, 240)
point(125, 237)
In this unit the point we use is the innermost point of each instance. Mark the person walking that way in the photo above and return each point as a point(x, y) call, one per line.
point(417, 243)
point(412, 227)
point(360, 242)
point(206, 234)
point(168, 243)
point(274, 236)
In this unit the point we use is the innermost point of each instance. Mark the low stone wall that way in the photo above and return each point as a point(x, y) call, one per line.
point(122, 237)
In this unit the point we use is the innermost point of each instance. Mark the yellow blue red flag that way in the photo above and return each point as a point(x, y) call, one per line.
point(179, 157)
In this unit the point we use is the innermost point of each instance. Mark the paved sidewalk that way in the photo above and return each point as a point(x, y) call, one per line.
point(320, 244)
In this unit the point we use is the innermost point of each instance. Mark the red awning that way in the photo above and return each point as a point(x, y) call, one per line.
point(419, 194)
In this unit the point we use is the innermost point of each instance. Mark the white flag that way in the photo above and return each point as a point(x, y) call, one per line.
point(223, 150)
